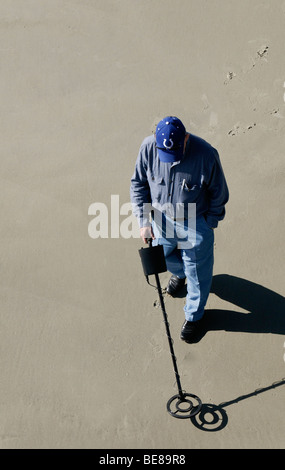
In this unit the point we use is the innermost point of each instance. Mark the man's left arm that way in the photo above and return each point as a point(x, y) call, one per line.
point(218, 193)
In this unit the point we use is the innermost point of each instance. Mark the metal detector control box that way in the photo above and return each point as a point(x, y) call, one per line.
point(153, 261)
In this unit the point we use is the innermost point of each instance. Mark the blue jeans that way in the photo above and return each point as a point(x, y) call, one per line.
point(193, 259)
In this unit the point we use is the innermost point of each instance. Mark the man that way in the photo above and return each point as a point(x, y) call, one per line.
point(177, 169)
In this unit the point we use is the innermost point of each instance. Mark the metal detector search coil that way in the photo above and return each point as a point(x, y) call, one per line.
point(179, 406)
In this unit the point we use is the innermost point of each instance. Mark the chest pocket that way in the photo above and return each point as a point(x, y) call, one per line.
point(157, 186)
point(188, 191)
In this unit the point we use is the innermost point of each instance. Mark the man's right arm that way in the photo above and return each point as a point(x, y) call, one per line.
point(140, 194)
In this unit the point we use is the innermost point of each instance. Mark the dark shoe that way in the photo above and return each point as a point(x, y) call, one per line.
point(191, 331)
point(175, 285)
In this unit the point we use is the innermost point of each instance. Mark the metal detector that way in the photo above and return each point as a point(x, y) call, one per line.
point(183, 405)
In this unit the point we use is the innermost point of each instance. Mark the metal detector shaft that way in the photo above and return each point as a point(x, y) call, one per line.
point(181, 394)
point(183, 404)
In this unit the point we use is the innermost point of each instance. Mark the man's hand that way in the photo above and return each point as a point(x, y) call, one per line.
point(146, 233)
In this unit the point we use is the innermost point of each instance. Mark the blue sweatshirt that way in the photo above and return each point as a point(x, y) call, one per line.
point(198, 178)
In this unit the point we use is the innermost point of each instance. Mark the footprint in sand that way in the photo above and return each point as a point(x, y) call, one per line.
point(237, 129)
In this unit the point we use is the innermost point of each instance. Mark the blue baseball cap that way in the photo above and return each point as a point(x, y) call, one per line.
point(170, 135)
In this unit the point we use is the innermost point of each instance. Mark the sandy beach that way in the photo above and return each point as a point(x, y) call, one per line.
point(84, 359)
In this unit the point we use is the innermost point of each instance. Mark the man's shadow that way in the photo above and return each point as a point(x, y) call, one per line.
point(266, 314)
point(266, 308)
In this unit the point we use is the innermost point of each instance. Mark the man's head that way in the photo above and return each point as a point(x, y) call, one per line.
point(170, 139)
